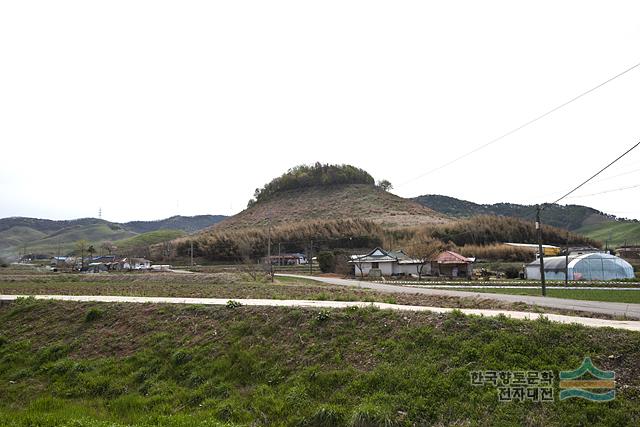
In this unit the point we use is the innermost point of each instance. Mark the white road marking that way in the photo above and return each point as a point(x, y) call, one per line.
point(629, 325)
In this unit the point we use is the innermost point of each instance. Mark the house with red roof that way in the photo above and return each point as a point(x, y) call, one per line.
point(380, 262)
point(452, 264)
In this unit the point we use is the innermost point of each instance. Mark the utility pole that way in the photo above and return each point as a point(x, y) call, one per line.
point(311, 258)
point(566, 262)
point(269, 249)
point(540, 250)
point(279, 255)
point(192, 253)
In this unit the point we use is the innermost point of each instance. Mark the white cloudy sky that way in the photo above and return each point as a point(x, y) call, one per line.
point(152, 108)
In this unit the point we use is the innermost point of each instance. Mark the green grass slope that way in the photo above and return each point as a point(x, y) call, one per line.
point(41, 236)
point(18, 235)
point(67, 238)
point(617, 233)
point(90, 364)
point(188, 224)
point(148, 239)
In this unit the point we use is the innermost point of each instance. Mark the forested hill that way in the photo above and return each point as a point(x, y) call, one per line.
point(571, 217)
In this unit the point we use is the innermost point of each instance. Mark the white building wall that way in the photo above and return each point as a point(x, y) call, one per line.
point(409, 269)
point(386, 268)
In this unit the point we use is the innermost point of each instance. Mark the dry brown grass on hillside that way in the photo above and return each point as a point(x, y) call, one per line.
point(353, 201)
point(237, 244)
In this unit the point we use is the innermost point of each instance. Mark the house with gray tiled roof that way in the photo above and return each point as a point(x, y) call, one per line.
point(387, 263)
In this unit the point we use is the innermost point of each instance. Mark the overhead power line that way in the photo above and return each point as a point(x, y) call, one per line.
point(599, 172)
point(516, 129)
point(540, 208)
point(617, 176)
point(605, 192)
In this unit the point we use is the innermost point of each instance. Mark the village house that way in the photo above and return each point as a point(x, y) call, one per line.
point(379, 262)
point(452, 264)
point(114, 263)
point(135, 264)
point(289, 259)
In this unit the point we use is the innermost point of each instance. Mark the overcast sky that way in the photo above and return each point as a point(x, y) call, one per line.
point(148, 109)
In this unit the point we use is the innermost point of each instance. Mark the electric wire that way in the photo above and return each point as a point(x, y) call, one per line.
point(516, 129)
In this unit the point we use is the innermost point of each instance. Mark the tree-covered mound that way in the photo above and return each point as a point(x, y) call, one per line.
point(304, 176)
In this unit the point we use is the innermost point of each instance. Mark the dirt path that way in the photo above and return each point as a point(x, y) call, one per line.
point(585, 321)
point(609, 308)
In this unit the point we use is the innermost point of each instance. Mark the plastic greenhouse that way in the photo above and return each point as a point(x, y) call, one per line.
point(592, 266)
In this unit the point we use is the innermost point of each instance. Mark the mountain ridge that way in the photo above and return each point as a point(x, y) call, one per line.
point(22, 234)
point(570, 217)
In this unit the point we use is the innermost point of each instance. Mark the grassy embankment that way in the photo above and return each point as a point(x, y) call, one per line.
point(630, 296)
point(219, 285)
point(237, 285)
point(82, 364)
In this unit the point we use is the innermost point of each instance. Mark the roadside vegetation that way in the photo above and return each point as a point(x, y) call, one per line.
point(221, 285)
point(608, 295)
point(89, 364)
point(235, 285)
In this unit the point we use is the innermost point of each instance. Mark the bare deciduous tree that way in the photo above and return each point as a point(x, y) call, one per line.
point(425, 251)
point(107, 246)
point(358, 261)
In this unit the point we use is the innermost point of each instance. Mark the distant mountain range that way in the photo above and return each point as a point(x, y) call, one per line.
point(583, 220)
point(570, 217)
point(34, 235)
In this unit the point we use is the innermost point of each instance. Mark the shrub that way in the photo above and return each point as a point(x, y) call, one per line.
point(511, 272)
point(327, 261)
point(323, 315)
point(93, 314)
point(233, 304)
point(181, 357)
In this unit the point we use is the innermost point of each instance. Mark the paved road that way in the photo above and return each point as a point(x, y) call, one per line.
point(610, 308)
point(585, 321)
point(574, 288)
